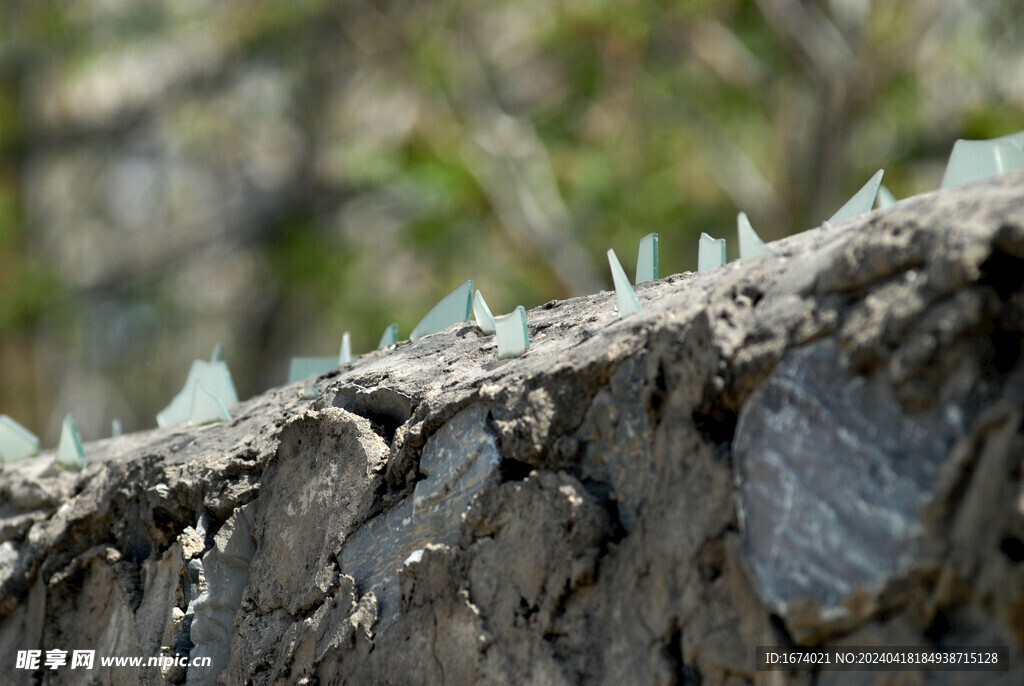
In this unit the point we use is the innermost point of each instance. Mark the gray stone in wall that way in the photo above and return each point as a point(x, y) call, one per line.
point(833, 475)
point(458, 462)
point(225, 574)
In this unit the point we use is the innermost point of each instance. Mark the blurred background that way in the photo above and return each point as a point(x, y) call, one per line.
point(269, 174)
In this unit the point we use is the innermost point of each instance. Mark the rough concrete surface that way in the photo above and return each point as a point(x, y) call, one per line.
point(820, 448)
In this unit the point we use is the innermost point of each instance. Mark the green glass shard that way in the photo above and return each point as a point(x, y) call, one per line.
point(309, 392)
point(390, 336)
point(885, 199)
point(976, 160)
point(710, 252)
point(455, 307)
point(1014, 139)
point(861, 202)
point(512, 333)
point(16, 442)
point(624, 294)
point(214, 375)
point(751, 245)
point(218, 353)
point(302, 368)
point(482, 313)
point(345, 356)
point(70, 451)
point(647, 259)
point(206, 406)
point(116, 430)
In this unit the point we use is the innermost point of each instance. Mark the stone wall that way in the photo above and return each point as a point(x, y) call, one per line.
point(821, 448)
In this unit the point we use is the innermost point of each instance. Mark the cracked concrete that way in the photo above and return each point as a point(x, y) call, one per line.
point(821, 447)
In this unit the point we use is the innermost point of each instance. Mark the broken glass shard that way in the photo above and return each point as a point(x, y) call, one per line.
point(215, 377)
point(218, 353)
point(710, 252)
point(455, 307)
point(345, 356)
point(512, 333)
point(885, 199)
point(206, 406)
point(70, 451)
point(976, 160)
point(1014, 139)
point(302, 368)
point(751, 245)
point(861, 202)
point(624, 294)
point(484, 318)
point(647, 259)
point(390, 336)
point(16, 442)
point(116, 429)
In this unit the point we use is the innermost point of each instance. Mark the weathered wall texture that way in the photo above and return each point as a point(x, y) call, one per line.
point(821, 448)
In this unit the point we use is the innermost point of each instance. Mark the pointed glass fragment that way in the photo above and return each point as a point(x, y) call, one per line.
point(512, 333)
point(309, 392)
point(976, 160)
point(116, 429)
point(16, 442)
point(861, 202)
point(302, 368)
point(710, 252)
point(624, 294)
point(647, 259)
point(218, 353)
point(1014, 139)
point(455, 307)
point(345, 356)
point(885, 199)
point(482, 313)
point(206, 406)
point(390, 336)
point(751, 245)
point(70, 452)
point(214, 375)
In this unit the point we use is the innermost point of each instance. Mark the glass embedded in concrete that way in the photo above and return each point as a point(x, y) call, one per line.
point(206, 407)
point(390, 336)
point(455, 307)
point(976, 160)
point(345, 355)
point(647, 259)
point(512, 333)
point(1014, 139)
point(885, 199)
point(70, 451)
point(624, 294)
point(751, 245)
point(16, 442)
point(710, 253)
point(215, 377)
point(861, 202)
point(302, 368)
point(482, 313)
